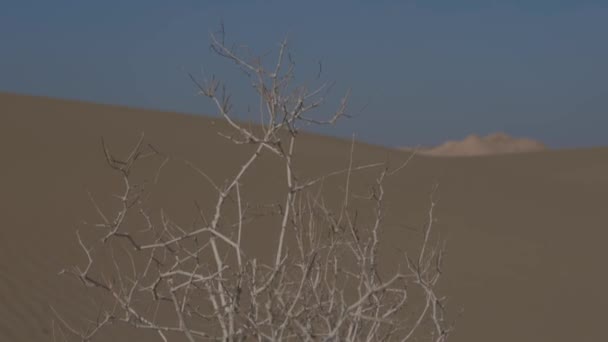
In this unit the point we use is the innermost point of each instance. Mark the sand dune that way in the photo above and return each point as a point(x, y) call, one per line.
point(526, 233)
point(492, 144)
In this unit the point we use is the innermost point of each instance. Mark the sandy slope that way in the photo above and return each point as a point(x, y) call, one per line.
point(526, 233)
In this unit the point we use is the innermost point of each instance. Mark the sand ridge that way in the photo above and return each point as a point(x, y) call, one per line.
point(475, 145)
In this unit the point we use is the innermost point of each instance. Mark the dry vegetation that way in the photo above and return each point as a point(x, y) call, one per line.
point(201, 282)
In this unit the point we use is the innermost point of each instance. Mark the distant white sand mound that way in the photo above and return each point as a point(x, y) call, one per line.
point(474, 145)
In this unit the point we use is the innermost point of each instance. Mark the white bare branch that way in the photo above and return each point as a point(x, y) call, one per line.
point(324, 282)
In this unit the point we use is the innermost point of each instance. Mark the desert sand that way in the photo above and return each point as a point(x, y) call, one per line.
point(526, 233)
point(474, 145)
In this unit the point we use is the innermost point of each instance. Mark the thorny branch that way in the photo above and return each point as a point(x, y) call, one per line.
point(328, 289)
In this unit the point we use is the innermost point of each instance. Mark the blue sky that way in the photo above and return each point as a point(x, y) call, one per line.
point(420, 71)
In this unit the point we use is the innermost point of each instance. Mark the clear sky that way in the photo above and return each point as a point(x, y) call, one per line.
point(427, 71)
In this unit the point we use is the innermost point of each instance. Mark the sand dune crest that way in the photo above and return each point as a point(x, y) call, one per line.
point(491, 144)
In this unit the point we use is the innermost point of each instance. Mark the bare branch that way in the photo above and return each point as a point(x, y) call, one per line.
point(324, 282)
